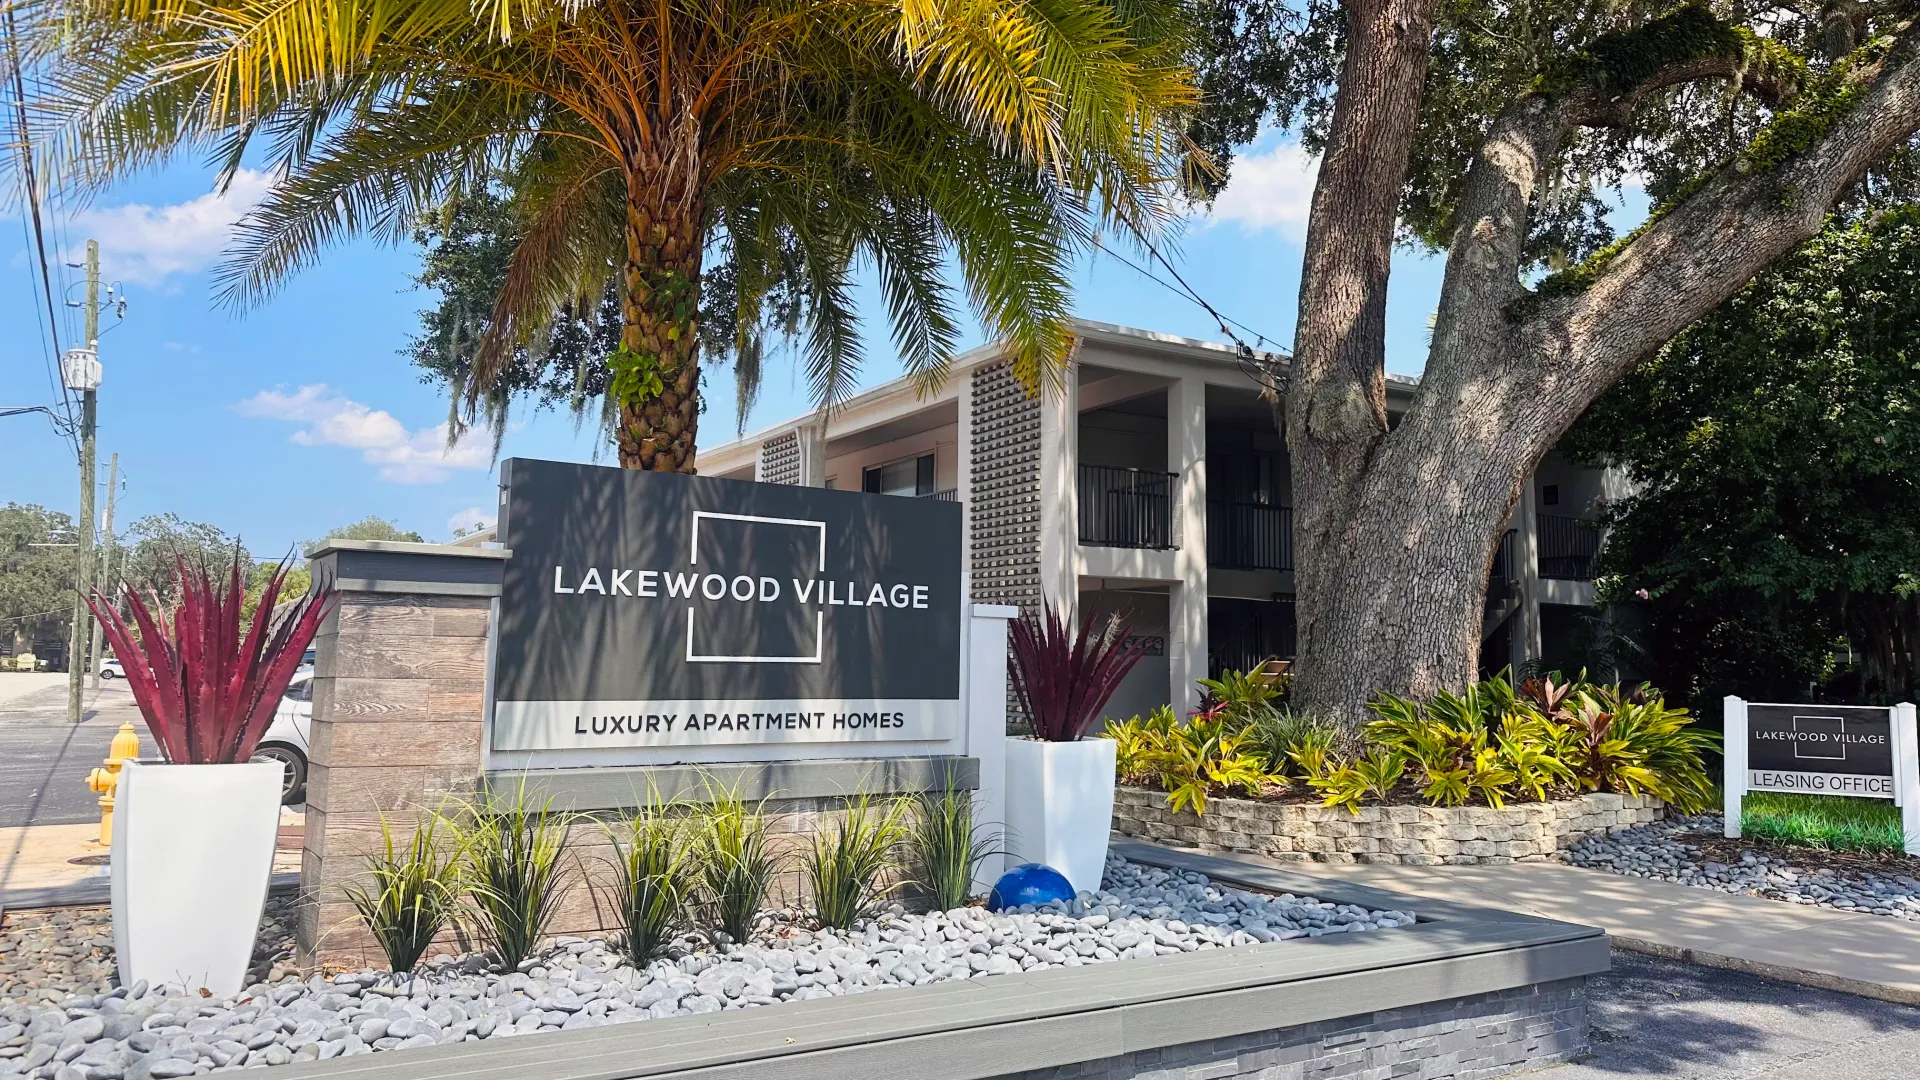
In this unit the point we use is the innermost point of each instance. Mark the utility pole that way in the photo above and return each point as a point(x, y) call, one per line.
point(106, 568)
point(83, 374)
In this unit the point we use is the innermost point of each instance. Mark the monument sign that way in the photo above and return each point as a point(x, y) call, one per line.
point(662, 610)
point(1852, 751)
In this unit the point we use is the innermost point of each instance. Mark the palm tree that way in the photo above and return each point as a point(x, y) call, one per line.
point(790, 141)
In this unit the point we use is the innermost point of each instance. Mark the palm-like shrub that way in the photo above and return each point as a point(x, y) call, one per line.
point(945, 847)
point(1063, 679)
point(515, 845)
point(654, 871)
point(1633, 743)
point(736, 866)
point(846, 862)
point(414, 893)
point(206, 685)
point(790, 141)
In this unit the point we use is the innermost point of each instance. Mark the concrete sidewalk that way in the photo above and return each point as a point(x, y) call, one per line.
point(62, 865)
point(1871, 955)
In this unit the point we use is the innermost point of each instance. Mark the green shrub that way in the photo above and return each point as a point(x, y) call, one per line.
point(514, 843)
point(1487, 742)
point(846, 861)
point(414, 894)
point(1208, 755)
point(1299, 745)
point(1825, 822)
point(1634, 744)
point(1137, 741)
point(1371, 777)
point(735, 867)
point(654, 873)
point(945, 847)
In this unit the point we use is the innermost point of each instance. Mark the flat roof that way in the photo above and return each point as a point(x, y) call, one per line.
point(1205, 351)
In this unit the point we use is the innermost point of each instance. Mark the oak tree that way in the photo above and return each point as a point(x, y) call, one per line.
point(1485, 129)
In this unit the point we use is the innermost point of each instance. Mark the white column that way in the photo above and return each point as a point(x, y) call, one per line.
point(986, 706)
point(1906, 773)
point(1524, 640)
point(1187, 605)
point(1733, 755)
point(1059, 501)
point(813, 454)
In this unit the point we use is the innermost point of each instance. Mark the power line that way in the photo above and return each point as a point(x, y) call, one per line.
point(24, 133)
point(1190, 294)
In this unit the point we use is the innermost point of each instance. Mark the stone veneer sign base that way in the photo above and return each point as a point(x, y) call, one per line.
point(1415, 835)
point(1467, 992)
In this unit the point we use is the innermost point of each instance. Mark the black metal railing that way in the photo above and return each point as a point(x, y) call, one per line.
point(1126, 507)
point(1503, 579)
point(1249, 535)
point(1243, 634)
point(949, 495)
point(1568, 547)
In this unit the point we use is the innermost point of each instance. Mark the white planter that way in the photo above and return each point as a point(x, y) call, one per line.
point(192, 854)
point(1060, 806)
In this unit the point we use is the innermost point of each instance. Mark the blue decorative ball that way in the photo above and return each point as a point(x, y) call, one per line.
point(1030, 883)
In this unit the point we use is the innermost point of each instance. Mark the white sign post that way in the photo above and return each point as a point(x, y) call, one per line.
point(1850, 751)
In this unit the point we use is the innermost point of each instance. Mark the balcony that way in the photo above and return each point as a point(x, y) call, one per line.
point(1127, 508)
point(1569, 546)
point(948, 495)
point(1249, 536)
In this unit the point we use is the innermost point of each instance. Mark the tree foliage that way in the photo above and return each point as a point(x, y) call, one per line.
point(1776, 445)
point(152, 547)
point(965, 151)
point(36, 571)
point(1265, 63)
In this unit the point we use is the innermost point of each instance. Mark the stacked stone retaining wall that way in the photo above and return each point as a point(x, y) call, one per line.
point(1422, 835)
point(1469, 1038)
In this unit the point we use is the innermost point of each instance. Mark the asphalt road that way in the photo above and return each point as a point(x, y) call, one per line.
point(1659, 1018)
point(44, 761)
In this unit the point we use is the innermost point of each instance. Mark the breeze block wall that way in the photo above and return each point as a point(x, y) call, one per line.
point(779, 460)
point(1417, 835)
point(1004, 510)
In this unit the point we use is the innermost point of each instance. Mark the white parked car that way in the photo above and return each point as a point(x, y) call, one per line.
point(286, 738)
point(110, 668)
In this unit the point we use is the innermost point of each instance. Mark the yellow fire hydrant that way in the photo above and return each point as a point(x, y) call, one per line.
point(126, 747)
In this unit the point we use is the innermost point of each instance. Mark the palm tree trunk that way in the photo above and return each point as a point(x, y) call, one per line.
point(660, 322)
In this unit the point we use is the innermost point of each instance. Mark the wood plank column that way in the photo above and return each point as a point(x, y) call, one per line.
point(400, 684)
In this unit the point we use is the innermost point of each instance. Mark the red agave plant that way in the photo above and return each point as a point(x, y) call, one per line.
point(206, 690)
point(1064, 679)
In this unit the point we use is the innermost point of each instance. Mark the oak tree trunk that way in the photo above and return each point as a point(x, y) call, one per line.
point(662, 278)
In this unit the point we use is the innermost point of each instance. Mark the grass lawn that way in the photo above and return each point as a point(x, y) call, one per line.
point(1822, 821)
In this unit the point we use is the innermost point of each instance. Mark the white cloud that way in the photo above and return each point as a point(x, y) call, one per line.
point(472, 519)
point(403, 456)
point(147, 244)
point(1272, 189)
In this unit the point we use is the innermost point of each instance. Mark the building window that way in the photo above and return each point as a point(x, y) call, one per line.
point(908, 476)
point(832, 483)
point(1550, 495)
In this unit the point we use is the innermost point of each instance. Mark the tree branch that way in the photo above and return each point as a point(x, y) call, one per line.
point(1748, 214)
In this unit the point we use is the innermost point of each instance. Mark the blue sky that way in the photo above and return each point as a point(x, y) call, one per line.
point(300, 415)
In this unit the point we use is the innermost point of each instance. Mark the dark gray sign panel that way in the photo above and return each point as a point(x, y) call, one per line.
point(1820, 749)
point(649, 609)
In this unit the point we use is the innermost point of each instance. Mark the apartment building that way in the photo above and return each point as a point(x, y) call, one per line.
point(1155, 486)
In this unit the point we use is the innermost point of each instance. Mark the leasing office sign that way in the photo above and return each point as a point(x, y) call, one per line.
point(1820, 750)
point(648, 609)
point(1859, 751)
